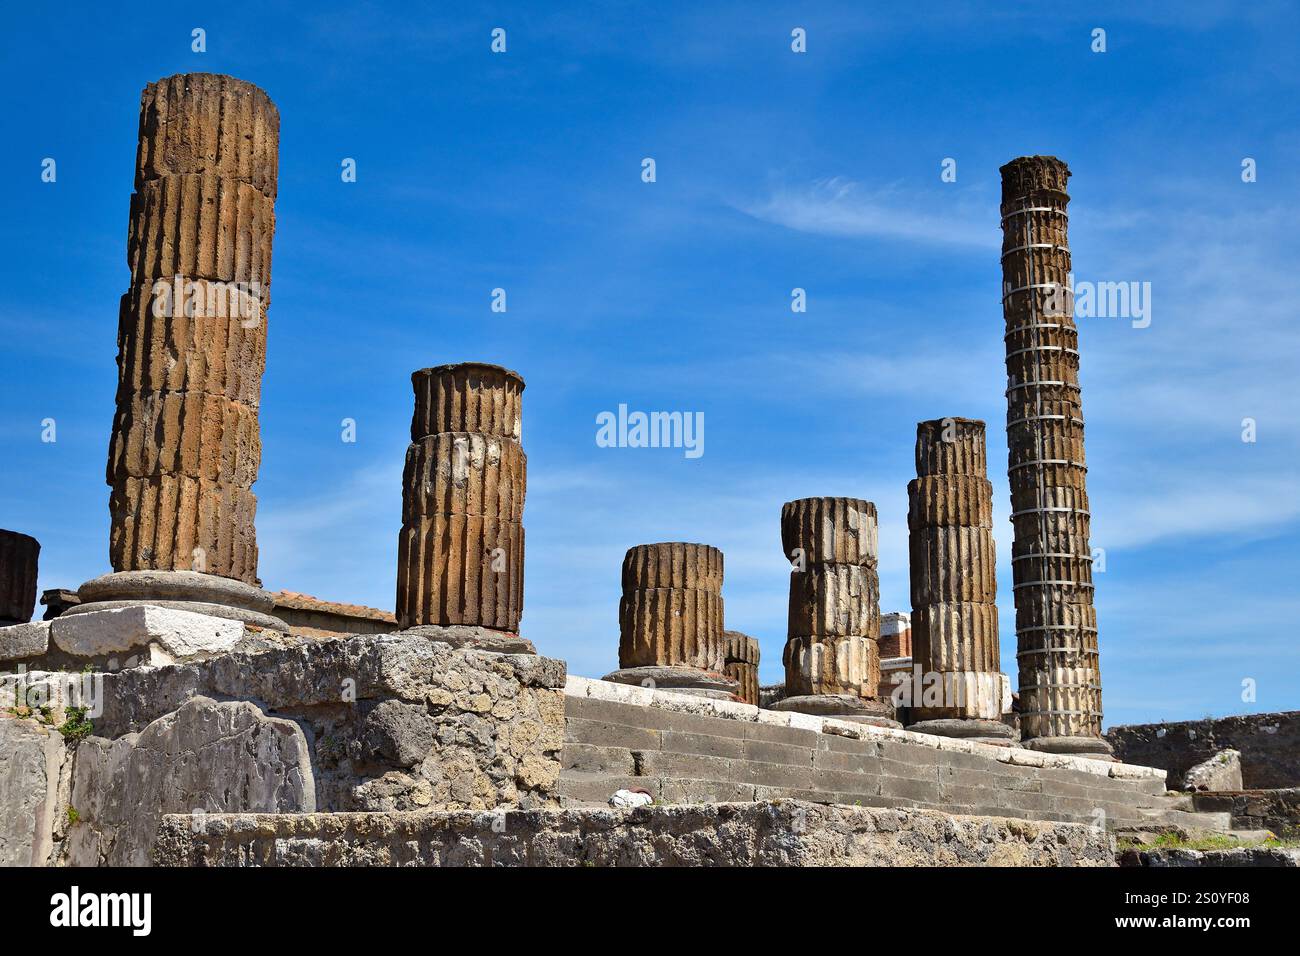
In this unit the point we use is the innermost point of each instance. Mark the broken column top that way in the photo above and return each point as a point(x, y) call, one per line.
point(467, 397)
point(830, 530)
point(19, 554)
point(208, 123)
point(1029, 174)
point(673, 564)
point(951, 446)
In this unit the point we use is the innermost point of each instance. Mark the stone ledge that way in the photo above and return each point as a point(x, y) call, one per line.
point(768, 833)
point(667, 700)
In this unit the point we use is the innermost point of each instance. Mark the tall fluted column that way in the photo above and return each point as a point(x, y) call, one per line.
point(670, 620)
point(832, 651)
point(186, 447)
point(19, 554)
point(957, 687)
point(460, 557)
point(1056, 624)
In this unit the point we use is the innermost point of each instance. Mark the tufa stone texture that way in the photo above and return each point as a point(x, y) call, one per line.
point(208, 123)
point(1060, 681)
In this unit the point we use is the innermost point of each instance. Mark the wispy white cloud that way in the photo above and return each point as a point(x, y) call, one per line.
point(841, 207)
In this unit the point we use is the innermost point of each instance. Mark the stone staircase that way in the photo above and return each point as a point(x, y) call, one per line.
point(682, 757)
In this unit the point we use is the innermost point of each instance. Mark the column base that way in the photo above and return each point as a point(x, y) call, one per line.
point(877, 713)
point(194, 591)
point(681, 680)
point(1094, 748)
point(977, 729)
point(473, 638)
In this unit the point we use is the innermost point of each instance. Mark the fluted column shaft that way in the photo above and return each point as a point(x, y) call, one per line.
point(1056, 626)
point(460, 558)
point(671, 612)
point(833, 629)
point(186, 449)
point(953, 558)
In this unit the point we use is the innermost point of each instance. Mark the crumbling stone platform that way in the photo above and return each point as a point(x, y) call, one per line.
point(772, 833)
point(694, 750)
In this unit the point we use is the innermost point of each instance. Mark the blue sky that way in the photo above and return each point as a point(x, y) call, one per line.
point(774, 171)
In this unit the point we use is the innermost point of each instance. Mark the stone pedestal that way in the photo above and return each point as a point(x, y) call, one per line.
point(740, 653)
point(460, 559)
point(1056, 627)
point(983, 731)
point(186, 447)
point(183, 591)
point(19, 556)
point(877, 713)
point(954, 586)
point(832, 648)
point(682, 680)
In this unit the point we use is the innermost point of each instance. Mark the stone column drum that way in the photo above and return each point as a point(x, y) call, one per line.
point(670, 620)
point(19, 555)
point(957, 688)
point(186, 447)
point(740, 653)
point(460, 553)
point(832, 653)
point(1051, 562)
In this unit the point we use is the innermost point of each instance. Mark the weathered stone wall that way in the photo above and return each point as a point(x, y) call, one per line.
point(1269, 746)
point(783, 833)
point(1275, 810)
point(367, 723)
point(680, 750)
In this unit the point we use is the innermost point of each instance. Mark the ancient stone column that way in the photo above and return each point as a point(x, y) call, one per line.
point(670, 620)
point(1056, 624)
point(460, 553)
point(19, 554)
point(957, 688)
point(740, 654)
point(832, 653)
point(186, 446)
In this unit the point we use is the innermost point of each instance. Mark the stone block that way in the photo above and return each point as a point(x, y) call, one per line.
point(464, 473)
point(467, 397)
point(952, 564)
point(956, 636)
point(181, 634)
point(951, 446)
point(206, 757)
point(946, 501)
point(217, 347)
point(675, 565)
point(24, 640)
point(675, 626)
point(1220, 772)
point(834, 600)
point(830, 531)
point(185, 434)
point(201, 226)
point(833, 665)
point(460, 569)
point(180, 523)
point(208, 123)
point(33, 762)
